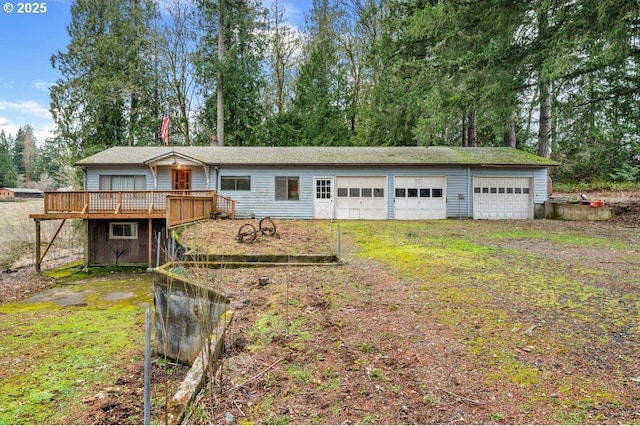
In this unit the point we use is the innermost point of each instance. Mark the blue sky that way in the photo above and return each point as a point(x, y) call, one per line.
point(27, 42)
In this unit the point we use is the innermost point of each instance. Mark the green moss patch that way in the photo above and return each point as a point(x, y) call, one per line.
point(51, 357)
point(506, 306)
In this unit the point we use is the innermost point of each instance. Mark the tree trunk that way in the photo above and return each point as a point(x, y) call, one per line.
point(510, 134)
point(463, 129)
point(472, 131)
point(544, 129)
point(220, 89)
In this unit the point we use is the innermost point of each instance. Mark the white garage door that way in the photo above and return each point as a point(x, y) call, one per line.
point(420, 197)
point(502, 198)
point(361, 197)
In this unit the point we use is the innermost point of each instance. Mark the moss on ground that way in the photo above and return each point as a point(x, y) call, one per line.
point(477, 287)
point(51, 357)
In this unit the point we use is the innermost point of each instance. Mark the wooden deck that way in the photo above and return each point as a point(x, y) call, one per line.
point(175, 207)
point(178, 207)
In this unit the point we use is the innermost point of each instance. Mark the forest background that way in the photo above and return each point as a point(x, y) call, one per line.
point(556, 78)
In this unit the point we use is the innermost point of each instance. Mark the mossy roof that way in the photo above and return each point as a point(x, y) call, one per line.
point(320, 156)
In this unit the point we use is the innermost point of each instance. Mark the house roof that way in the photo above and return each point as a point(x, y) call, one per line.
point(339, 156)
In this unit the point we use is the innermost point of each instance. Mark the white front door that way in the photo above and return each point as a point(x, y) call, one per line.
point(323, 201)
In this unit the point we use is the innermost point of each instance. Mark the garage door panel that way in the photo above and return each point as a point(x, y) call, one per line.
point(361, 197)
point(420, 197)
point(502, 198)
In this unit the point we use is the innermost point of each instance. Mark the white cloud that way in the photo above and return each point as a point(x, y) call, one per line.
point(27, 108)
point(41, 131)
point(42, 85)
point(6, 84)
point(20, 113)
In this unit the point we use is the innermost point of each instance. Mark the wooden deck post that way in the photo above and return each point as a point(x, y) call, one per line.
point(85, 227)
point(150, 243)
point(38, 242)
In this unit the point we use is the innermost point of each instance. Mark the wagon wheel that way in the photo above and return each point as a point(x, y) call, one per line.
point(247, 233)
point(267, 227)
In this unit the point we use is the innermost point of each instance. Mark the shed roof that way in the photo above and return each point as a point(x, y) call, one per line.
point(23, 190)
point(317, 156)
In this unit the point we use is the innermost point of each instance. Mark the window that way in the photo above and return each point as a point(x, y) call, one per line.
point(436, 192)
point(235, 183)
point(367, 192)
point(123, 183)
point(412, 192)
point(323, 189)
point(287, 188)
point(425, 192)
point(343, 192)
point(354, 192)
point(400, 192)
point(123, 230)
point(378, 192)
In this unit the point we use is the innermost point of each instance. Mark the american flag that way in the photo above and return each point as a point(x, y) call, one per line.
point(164, 130)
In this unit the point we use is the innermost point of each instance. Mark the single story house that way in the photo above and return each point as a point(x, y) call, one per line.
point(134, 195)
point(338, 182)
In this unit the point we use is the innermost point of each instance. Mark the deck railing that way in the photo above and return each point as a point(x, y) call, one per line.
point(121, 202)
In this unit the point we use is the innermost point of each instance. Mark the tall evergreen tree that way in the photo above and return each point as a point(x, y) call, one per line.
point(17, 150)
point(396, 59)
point(105, 95)
point(322, 105)
point(8, 174)
point(49, 161)
point(28, 153)
point(239, 74)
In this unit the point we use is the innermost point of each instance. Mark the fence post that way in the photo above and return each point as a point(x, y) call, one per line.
point(147, 367)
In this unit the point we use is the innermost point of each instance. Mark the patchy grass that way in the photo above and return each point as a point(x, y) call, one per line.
point(531, 322)
point(51, 357)
point(476, 287)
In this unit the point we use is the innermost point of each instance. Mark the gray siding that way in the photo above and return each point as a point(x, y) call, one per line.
point(198, 177)
point(260, 200)
point(540, 185)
